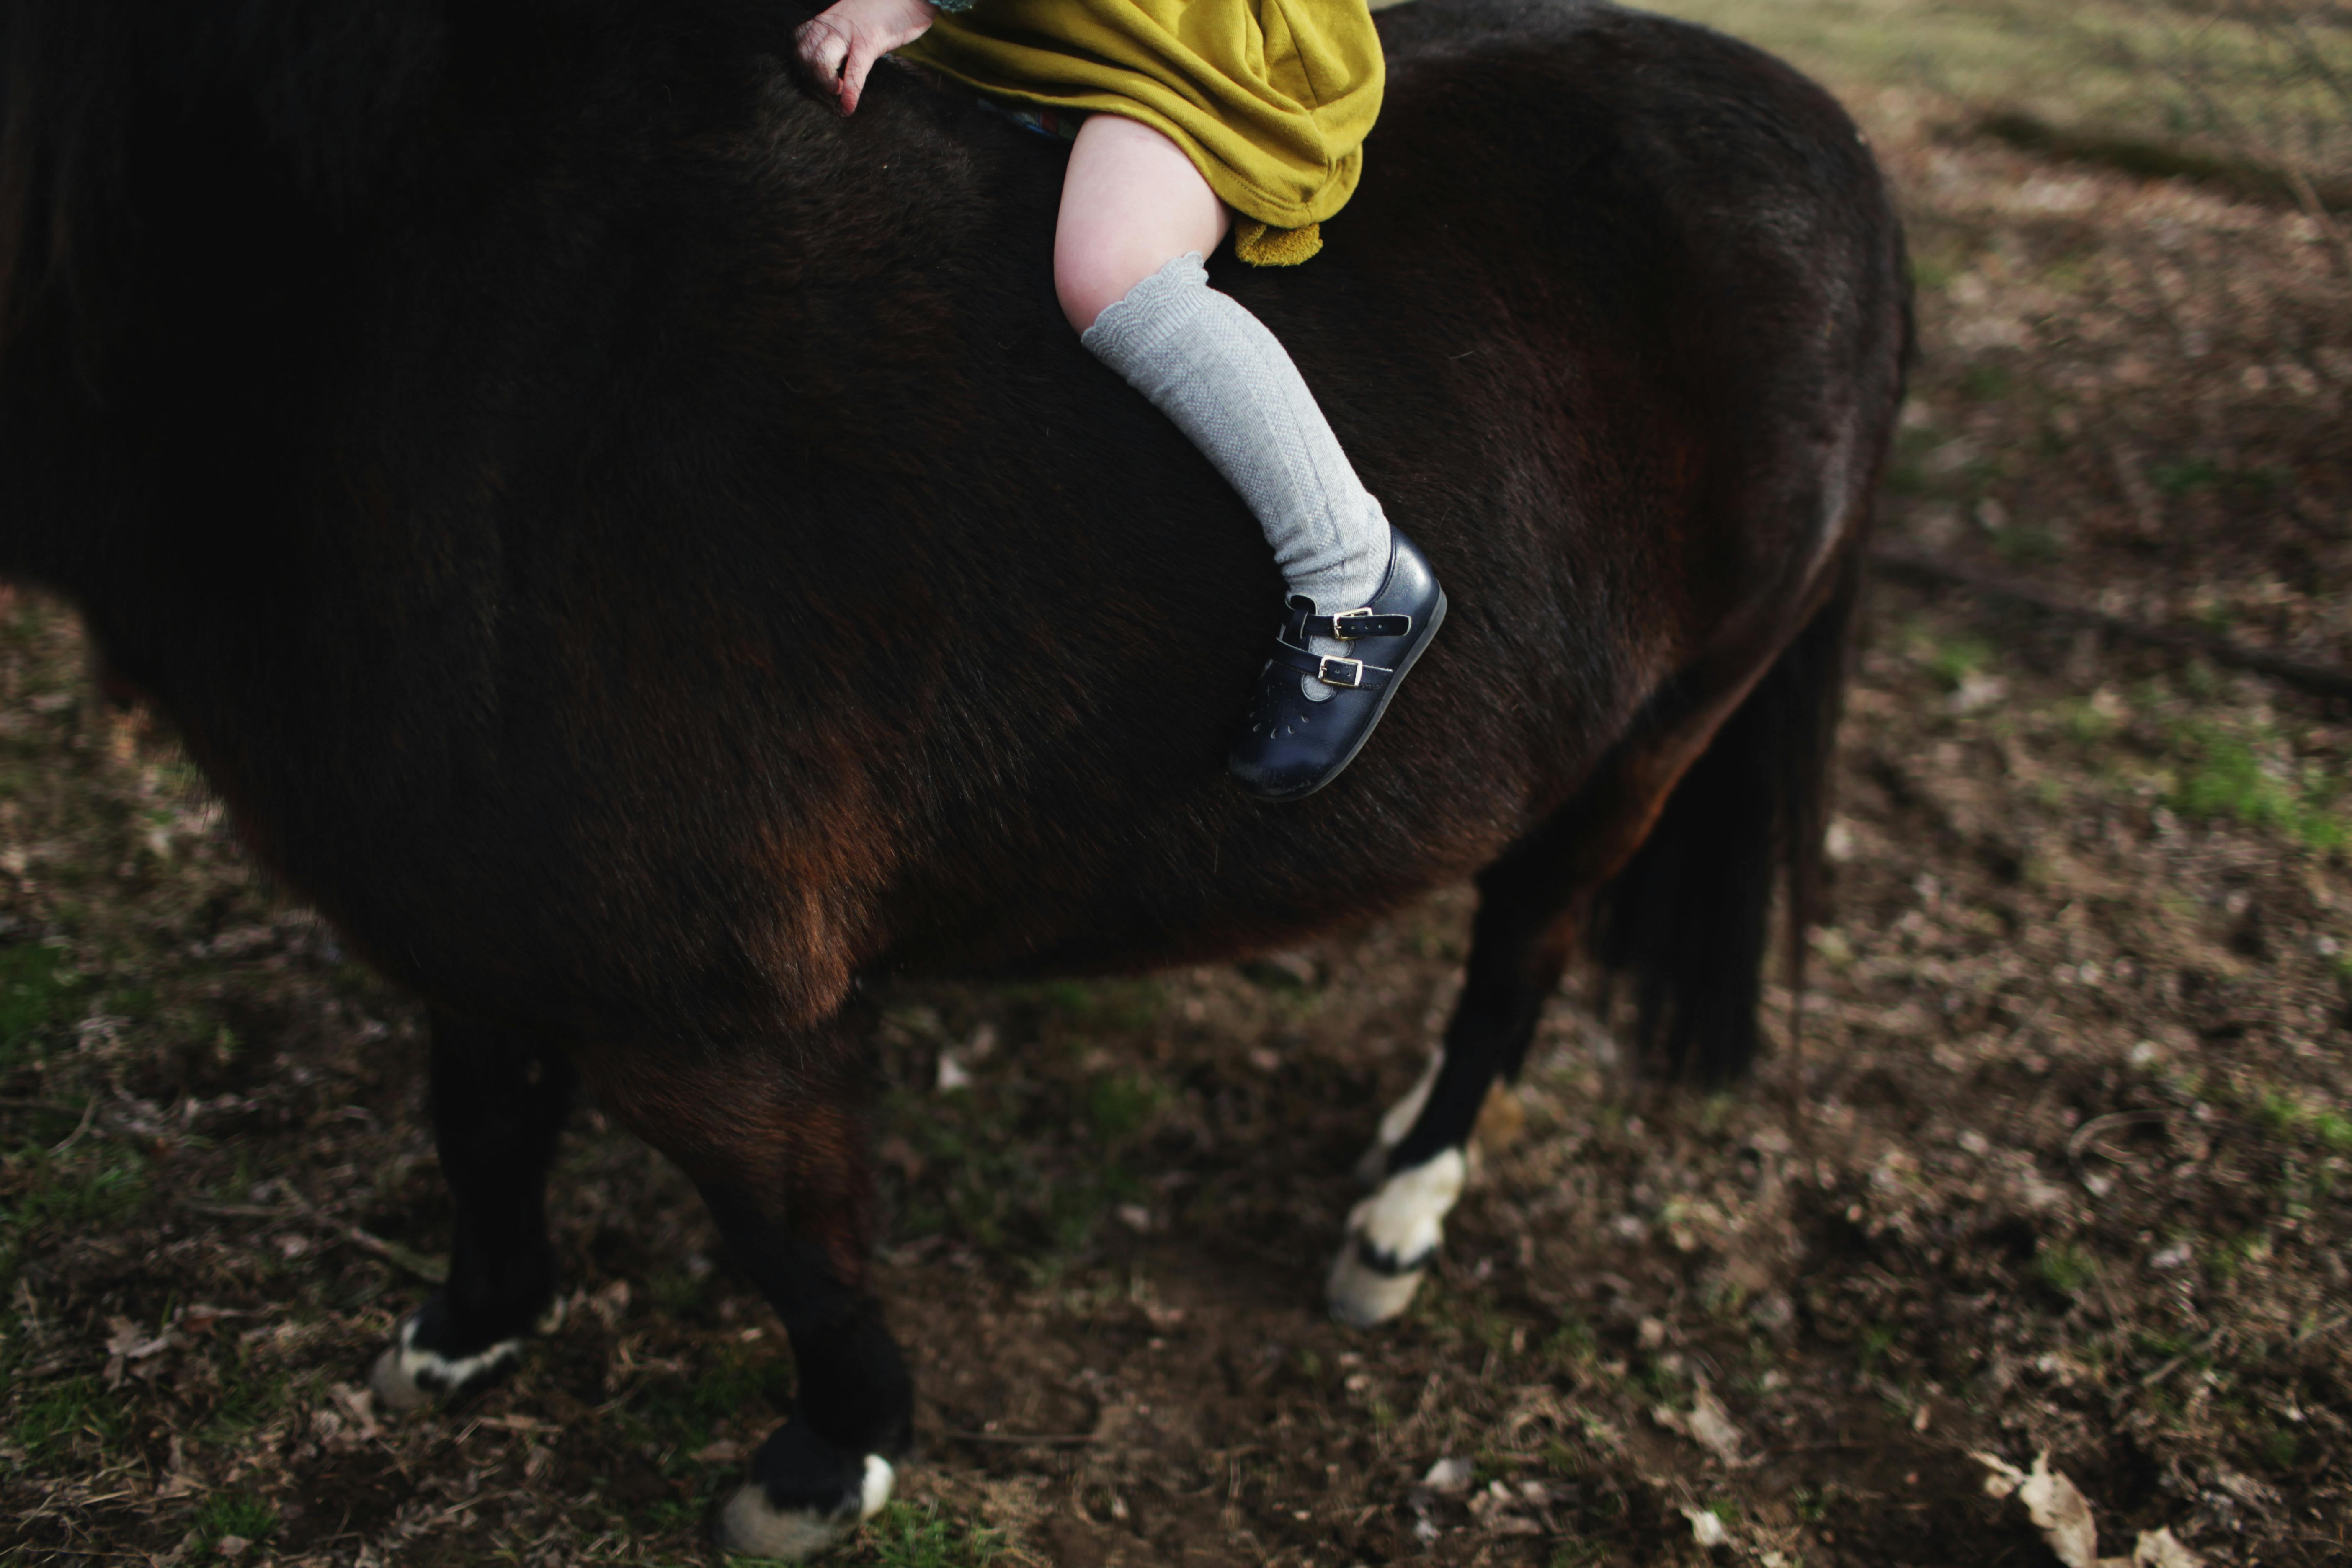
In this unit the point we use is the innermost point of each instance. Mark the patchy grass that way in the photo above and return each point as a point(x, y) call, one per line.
point(906, 1536)
point(55, 1418)
point(233, 1515)
point(2069, 1272)
point(2290, 1116)
point(101, 1187)
point(2248, 776)
point(2139, 79)
point(37, 988)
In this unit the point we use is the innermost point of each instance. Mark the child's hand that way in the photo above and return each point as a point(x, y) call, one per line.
point(839, 45)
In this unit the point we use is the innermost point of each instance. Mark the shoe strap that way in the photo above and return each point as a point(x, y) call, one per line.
point(1346, 674)
point(1362, 623)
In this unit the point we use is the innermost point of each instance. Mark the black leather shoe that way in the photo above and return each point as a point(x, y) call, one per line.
point(1290, 747)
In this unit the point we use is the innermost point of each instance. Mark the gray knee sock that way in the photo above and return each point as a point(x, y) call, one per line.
point(1214, 368)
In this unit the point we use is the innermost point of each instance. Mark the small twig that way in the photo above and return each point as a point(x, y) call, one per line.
point(1028, 1439)
point(88, 1114)
point(2108, 1123)
point(1897, 562)
point(2169, 1368)
point(432, 1270)
point(237, 1211)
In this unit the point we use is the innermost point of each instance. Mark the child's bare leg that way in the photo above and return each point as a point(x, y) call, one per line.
point(1136, 219)
point(1131, 203)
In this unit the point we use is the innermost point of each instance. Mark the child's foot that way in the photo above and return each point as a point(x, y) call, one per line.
point(1290, 747)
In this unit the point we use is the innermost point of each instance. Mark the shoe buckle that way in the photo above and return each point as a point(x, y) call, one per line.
point(1350, 679)
point(1337, 630)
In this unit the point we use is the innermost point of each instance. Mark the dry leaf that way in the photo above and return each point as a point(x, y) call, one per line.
point(2255, 1494)
point(359, 1408)
point(179, 1479)
point(1447, 1475)
point(1711, 1427)
point(1705, 1528)
point(1707, 1423)
point(2001, 1478)
point(2158, 1549)
point(2062, 1513)
point(126, 1342)
point(611, 1304)
point(2058, 1508)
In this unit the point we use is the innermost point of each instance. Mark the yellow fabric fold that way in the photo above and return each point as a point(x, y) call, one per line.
point(1270, 99)
point(1262, 245)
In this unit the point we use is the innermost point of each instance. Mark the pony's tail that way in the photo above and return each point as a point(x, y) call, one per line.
point(1686, 923)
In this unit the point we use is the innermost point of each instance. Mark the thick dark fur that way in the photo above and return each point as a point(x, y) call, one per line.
point(643, 553)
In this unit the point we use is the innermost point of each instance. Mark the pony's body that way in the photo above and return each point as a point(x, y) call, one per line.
point(643, 553)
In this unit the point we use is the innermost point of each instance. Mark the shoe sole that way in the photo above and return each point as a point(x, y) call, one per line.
point(1388, 695)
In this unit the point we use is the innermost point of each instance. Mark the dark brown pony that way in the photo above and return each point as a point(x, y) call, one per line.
point(646, 555)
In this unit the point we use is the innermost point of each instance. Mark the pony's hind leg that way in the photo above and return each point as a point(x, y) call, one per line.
point(773, 1134)
point(499, 1104)
point(1525, 928)
point(1711, 806)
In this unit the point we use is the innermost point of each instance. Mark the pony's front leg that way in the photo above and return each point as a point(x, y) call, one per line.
point(773, 1134)
point(499, 1104)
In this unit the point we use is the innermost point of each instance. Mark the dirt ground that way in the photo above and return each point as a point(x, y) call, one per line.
point(2060, 1164)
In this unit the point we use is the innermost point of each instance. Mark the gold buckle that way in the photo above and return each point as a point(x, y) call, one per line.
point(1324, 664)
point(1347, 616)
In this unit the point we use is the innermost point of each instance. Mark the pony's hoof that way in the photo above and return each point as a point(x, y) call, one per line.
point(751, 1524)
point(1366, 1289)
point(1392, 1238)
point(409, 1376)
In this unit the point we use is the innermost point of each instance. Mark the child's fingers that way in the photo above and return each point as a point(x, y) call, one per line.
point(824, 51)
point(861, 54)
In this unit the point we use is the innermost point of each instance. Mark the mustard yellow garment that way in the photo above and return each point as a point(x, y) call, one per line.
point(1272, 99)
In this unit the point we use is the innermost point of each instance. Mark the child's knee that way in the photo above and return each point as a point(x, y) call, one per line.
point(1090, 276)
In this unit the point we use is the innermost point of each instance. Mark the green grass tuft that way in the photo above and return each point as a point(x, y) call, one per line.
point(100, 1191)
point(1986, 382)
point(2234, 777)
point(1871, 1350)
point(1118, 1104)
point(905, 1536)
point(35, 987)
point(51, 1418)
point(2069, 1270)
point(1951, 660)
point(733, 1381)
point(2087, 722)
point(2287, 1118)
point(244, 1405)
point(234, 1513)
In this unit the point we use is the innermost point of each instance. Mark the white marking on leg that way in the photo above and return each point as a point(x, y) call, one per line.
point(1392, 1238)
point(1406, 1111)
point(749, 1525)
point(876, 1491)
point(409, 1376)
point(1374, 1166)
point(1405, 1219)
